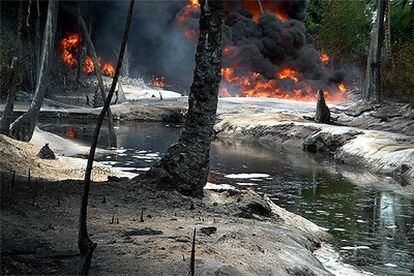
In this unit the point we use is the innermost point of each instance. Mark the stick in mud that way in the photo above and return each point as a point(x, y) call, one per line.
point(85, 245)
point(29, 180)
point(142, 216)
point(191, 271)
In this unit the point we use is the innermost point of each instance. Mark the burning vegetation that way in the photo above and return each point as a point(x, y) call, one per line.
point(270, 54)
point(267, 52)
point(69, 52)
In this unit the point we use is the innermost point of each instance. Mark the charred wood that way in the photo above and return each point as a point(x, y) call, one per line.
point(86, 246)
point(323, 114)
point(185, 165)
point(22, 128)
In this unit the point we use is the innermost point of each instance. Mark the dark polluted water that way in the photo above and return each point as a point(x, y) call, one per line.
point(372, 226)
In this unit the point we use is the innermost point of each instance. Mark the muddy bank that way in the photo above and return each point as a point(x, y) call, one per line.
point(378, 151)
point(239, 233)
point(20, 156)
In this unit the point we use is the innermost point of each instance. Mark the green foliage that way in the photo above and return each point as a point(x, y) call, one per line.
point(315, 11)
point(344, 31)
point(402, 24)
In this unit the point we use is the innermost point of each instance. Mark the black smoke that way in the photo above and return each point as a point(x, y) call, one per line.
point(158, 45)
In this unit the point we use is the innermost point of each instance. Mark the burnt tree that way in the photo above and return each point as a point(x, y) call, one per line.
point(323, 114)
point(185, 165)
point(372, 91)
point(7, 116)
point(86, 246)
point(98, 73)
point(23, 127)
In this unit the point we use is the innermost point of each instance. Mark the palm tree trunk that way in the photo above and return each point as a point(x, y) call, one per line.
point(22, 128)
point(372, 90)
point(98, 73)
point(86, 246)
point(186, 163)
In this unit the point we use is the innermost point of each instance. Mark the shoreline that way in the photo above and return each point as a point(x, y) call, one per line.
point(378, 151)
point(233, 228)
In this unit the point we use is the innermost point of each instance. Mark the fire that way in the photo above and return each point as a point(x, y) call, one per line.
point(282, 17)
point(88, 67)
point(342, 87)
point(108, 69)
point(288, 73)
point(255, 85)
point(69, 47)
point(239, 81)
point(158, 81)
point(324, 58)
point(70, 132)
point(268, 6)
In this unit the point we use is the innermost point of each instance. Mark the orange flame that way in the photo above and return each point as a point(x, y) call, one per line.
point(324, 58)
point(69, 46)
point(288, 73)
point(282, 17)
point(255, 85)
point(108, 69)
point(158, 81)
point(70, 132)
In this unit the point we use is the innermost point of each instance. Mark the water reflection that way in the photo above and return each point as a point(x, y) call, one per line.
point(372, 226)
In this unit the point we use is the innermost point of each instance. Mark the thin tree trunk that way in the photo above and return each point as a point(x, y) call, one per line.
point(7, 116)
point(81, 61)
point(259, 2)
point(185, 165)
point(372, 90)
point(22, 128)
point(86, 246)
point(38, 45)
point(120, 95)
point(98, 73)
point(388, 49)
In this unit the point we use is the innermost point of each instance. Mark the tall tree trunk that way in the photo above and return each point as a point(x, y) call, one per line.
point(98, 73)
point(387, 31)
point(185, 165)
point(81, 62)
point(23, 127)
point(7, 116)
point(86, 246)
point(37, 40)
point(372, 90)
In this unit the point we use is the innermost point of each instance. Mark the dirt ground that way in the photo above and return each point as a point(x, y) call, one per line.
point(238, 233)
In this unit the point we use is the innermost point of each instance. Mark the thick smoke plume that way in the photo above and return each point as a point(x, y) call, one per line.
point(268, 55)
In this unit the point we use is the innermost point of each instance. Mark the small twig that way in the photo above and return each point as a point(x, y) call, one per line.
point(142, 215)
point(29, 180)
point(58, 199)
point(191, 271)
point(34, 194)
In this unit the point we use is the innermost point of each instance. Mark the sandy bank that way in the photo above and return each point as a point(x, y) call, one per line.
point(21, 156)
point(377, 151)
